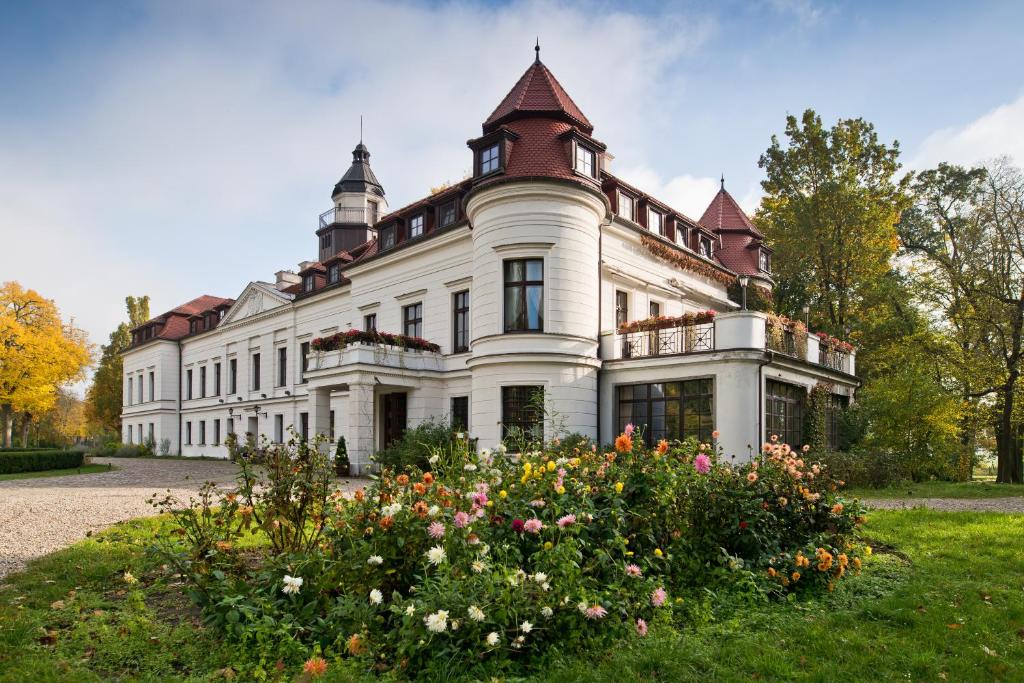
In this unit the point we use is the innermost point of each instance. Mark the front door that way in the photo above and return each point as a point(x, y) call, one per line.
point(392, 410)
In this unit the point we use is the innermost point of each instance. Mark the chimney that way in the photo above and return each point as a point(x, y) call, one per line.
point(285, 279)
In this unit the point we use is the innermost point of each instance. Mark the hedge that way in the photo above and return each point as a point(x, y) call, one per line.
point(37, 461)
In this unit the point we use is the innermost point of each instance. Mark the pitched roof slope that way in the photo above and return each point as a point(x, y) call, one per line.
point(723, 213)
point(537, 92)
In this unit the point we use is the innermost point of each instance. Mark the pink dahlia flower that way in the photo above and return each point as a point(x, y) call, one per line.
point(641, 627)
point(533, 525)
point(435, 530)
point(595, 612)
point(567, 520)
point(658, 597)
point(461, 519)
point(629, 429)
point(702, 464)
point(633, 570)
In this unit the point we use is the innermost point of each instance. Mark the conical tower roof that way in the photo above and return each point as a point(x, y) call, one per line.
point(359, 177)
point(725, 214)
point(537, 93)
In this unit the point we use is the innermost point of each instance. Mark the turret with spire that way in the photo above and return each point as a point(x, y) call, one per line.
point(359, 202)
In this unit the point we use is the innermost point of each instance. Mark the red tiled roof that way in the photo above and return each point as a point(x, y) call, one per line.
point(537, 92)
point(723, 213)
point(174, 323)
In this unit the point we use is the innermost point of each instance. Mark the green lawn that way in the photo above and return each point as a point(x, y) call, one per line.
point(941, 599)
point(942, 489)
point(84, 469)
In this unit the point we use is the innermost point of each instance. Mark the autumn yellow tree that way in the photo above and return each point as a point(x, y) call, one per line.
point(39, 353)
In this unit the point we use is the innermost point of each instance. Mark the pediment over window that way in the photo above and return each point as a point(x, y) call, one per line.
point(257, 298)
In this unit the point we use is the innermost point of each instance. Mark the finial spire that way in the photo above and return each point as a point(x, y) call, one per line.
point(723, 181)
point(360, 129)
point(537, 50)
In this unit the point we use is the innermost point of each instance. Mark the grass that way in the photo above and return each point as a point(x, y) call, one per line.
point(84, 469)
point(942, 489)
point(941, 599)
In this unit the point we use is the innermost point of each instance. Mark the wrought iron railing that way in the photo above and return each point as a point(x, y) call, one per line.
point(784, 343)
point(667, 341)
point(348, 215)
point(834, 359)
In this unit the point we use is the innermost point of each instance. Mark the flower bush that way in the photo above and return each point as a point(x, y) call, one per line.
point(493, 559)
point(660, 322)
point(831, 343)
point(340, 340)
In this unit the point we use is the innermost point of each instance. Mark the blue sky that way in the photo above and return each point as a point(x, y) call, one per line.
point(181, 148)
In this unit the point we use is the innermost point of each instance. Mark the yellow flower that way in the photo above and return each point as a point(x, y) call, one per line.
point(771, 572)
point(618, 487)
point(657, 552)
point(795, 576)
point(625, 541)
point(489, 503)
point(527, 467)
point(503, 494)
point(561, 490)
point(629, 553)
point(548, 545)
point(551, 465)
point(867, 550)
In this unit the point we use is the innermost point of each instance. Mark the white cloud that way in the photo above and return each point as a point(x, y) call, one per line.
point(686, 193)
point(997, 133)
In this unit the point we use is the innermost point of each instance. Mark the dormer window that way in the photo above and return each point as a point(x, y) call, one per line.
point(416, 226)
point(307, 283)
point(764, 261)
point(655, 221)
point(193, 326)
point(586, 161)
point(387, 238)
point(681, 234)
point(221, 313)
point(446, 214)
point(490, 159)
point(705, 247)
point(334, 273)
point(627, 207)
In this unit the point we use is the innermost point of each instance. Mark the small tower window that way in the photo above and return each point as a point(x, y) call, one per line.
point(585, 161)
point(416, 226)
point(489, 159)
point(705, 247)
point(764, 261)
point(325, 241)
point(372, 211)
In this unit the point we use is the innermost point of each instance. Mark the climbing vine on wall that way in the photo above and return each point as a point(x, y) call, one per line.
point(683, 260)
point(815, 416)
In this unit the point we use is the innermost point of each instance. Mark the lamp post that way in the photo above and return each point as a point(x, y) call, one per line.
point(807, 316)
point(744, 281)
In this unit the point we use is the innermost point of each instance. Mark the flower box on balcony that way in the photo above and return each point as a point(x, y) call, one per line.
point(662, 322)
point(340, 340)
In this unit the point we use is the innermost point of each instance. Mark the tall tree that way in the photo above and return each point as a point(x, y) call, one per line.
point(104, 396)
point(39, 353)
point(830, 210)
point(965, 236)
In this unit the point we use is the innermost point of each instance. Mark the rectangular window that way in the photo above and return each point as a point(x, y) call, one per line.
point(216, 379)
point(231, 425)
point(621, 308)
point(188, 383)
point(654, 309)
point(304, 351)
point(233, 376)
point(334, 273)
point(784, 412)
point(705, 247)
point(668, 410)
point(140, 432)
point(460, 412)
point(255, 372)
point(521, 414)
point(188, 433)
point(524, 295)
point(627, 207)
point(655, 221)
point(139, 383)
point(373, 211)
point(681, 234)
point(416, 226)
point(216, 432)
point(325, 240)
point(152, 386)
point(370, 322)
point(412, 320)
point(447, 214)
point(129, 433)
point(490, 159)
point(764, 261)
point(387, 237)
point(131, 390)
point(279, 429)
point(585, 161)
point(332, 426)
point(460, 313)
point(304, 425)
point(282, 366)
point(307, 283)
point(150, 438)
point(834, 409)
point(202, 432)
point(202, 382)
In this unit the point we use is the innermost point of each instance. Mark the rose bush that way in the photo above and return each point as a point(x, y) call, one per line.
point(492, 559)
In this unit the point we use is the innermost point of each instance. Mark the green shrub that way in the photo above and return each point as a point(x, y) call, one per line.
point(38, 461)
point(493, 561)
point(414, 448)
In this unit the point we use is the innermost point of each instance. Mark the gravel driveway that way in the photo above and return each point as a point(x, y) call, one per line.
point(950, 504)
point(39, 516)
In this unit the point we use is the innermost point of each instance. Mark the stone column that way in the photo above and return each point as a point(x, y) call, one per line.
point(359, 428)
point(320, 412)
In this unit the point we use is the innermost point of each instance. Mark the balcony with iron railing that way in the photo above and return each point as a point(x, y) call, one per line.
point(348, 215)
point(667, 341)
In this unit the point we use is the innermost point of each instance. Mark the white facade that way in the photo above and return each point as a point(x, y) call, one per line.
point(591, 259)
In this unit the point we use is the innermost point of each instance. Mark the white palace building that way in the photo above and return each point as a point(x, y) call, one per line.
point(541, 271)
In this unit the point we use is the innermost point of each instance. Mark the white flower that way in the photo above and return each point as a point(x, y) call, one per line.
point(436, 555)
point(546, 612)
point(502, 448)
point(546, 586)
point(540, 577)
point(485, 453)
point(433, 511)
point(460, 435)
point(526, 627)
point(292, 584)
point(513, 580)
point(128, 578)
point(455, 624)
point(433, 459)
point(477, 566)
point(492, 638)
point(475, 613)
point(582, 607)
point(374, 560)
point(391, 510)
point(410, 610)
point(376, 597)
point(469, 467)
point(437, 622)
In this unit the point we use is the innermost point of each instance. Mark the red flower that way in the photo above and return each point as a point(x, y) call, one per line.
point(517, 526)
point(743, 524)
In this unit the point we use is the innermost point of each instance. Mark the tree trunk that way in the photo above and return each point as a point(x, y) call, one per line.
point(6, 424)
point(26, 421)
point(1008, 449)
